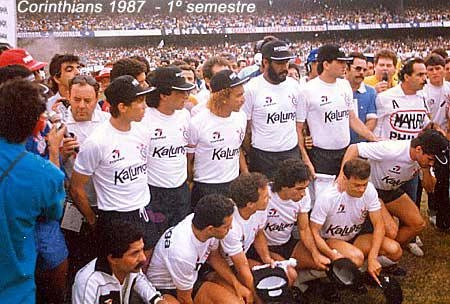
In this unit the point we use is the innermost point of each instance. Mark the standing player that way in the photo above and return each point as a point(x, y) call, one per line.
point(168, 124)
point(271, 106)
point(337, 219)
point(215, 137)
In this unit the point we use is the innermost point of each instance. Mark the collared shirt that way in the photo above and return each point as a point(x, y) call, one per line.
point(373, 80)
point(96, 284)
point(364, 102)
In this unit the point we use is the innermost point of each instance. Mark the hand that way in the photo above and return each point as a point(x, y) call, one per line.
point(55, 137)
point(336, 255)
point(321, 261)
point(308, 142)
point(311, 169)
point(381, 86)
point(340, 182)
point(243, 293)
point(69, 146)
point(374, 269)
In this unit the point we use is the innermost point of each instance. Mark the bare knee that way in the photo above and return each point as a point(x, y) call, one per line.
point(292, 275)
point(394, 251)
point(357, 257)
point(419, 225)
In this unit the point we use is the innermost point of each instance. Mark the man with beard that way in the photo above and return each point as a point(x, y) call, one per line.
point(363, 95)
point(327, 104)
point(271, 106)
point(116, 273)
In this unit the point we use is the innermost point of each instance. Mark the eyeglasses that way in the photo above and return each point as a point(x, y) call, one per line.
point(359, 69)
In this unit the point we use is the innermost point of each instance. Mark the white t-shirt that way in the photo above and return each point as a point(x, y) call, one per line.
point(166, 160)
point(178, 256)
point(117, 162)
point(400, 116)
point(272, 110)
point(242, 233)
point(282, 216)
point(438, 102)
point(326, 107)
point(216, 142)
point(390, 163)
point(342, 215)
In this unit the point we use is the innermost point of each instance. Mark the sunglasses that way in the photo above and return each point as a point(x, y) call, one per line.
point(359, 69)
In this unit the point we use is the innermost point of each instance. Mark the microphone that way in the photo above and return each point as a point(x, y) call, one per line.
point(385, 77)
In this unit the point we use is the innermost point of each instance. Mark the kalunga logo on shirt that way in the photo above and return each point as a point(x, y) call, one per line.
point(169, 151)
point(278, 227)
point(280, 117)
point(392, 181)
point(343, 231)
point(227, 153)
point(336, 115)
point(129, 174)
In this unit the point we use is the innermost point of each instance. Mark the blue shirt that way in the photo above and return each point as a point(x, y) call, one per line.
point(33, 188)
point(365, 96)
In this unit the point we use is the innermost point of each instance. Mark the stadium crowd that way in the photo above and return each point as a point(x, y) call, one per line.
point(285, 16)
point(166, 176)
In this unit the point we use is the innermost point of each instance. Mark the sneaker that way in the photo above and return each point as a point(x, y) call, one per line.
point(415, 249)
point(419, 241)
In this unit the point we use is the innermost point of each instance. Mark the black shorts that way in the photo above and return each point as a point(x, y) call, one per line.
point(326, 161)
point(388, 196)
point(150, 227)
point(172, 203)
point(267, 162)
point(200, 190)
point(284, 250)
point(202, 273)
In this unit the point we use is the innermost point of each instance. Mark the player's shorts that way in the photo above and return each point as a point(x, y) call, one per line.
point(388, 196)
point(200, 190)
point(51, 245)
point(326, 161)
point(202, 273)
point(267, 163)
point(284, 250)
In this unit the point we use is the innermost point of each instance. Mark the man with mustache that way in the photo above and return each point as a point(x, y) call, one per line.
point(363, 95)
point(115, 275)
point(271, 108)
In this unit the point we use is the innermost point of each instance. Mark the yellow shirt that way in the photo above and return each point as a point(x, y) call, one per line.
point(372, 81)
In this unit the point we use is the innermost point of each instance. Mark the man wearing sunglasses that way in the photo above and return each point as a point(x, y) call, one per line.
point(363, 95)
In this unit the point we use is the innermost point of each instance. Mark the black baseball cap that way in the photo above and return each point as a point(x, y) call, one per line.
point(225, 79)
point(330, 52)
point(434, 143)
point(125, 89)
point(170, 77)
point(276, 50)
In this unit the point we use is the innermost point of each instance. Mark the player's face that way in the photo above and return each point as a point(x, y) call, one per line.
point(356, 70)
point(277, 71)
point(384, 65)
point(294, 74)
point(136, 110)
point(447, 71)
point(236, 99)
point(298, 192)
point(83, 101)
point(68, 71)
point(188, 76)
point(336, 68)
point(436, 74)
point(263, 199)
point(425, 160)
point(221, 231)
point(132, 260)
point(370, 69)
point(356, 186)
point(142, 80)
point(177, 99)
point(418, 78)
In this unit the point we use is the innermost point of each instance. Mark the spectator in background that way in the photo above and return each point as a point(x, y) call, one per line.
point(310, 66)
point(30, 187)
point(294, 71)
point(385, 69)
point(447, 69)
point(22, 57)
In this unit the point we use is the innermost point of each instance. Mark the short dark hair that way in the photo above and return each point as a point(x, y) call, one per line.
point(434, 59)
point(83, 80)
point(357, 168)
point(244, 189)
point(127, 66)
point(143, 60)
point(55, 65)
point(240, 61)
point(21, 105)
point(386, 53)
point(212, 61)
point(115, 236)
point(290, 172)
point(294, 66)
point(431, 141)
point(211, 210)
point(408, 68)
point(440, 51)
point(153, 98)
point(356, 55)
point(14, 71)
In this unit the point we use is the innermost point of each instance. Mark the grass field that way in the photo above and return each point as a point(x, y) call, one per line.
point(428, 278)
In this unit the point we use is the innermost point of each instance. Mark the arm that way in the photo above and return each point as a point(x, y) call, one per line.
point(185, 296)
point(301, 145)
point(246, 144)
point(243, 168)
point(78, 182)
point(351, 153)
point(190, 167)
point(221, 267)
point(145, 289)
point(243, 270)
point(428, 180)
point(374, 266)
point(321, 244)
point(54, 138)
point(308, 240)
point(371, 123)
point(357, 126)
point(262, 248)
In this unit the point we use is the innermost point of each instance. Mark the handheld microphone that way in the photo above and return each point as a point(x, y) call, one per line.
point(385, 77)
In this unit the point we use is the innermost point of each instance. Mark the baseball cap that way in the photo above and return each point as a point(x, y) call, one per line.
point(225, 79)
point(344, 272)
point(125, 89)
point(312, 56)
point(434, 143)
point(329, 52)
point(22, 57)
point(105, 72)
point(170, 77)
point(276, 50)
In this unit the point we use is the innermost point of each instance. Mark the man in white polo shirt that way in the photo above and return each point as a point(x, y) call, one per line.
point(271, 108)
point(168, 123)
point(115, 155)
